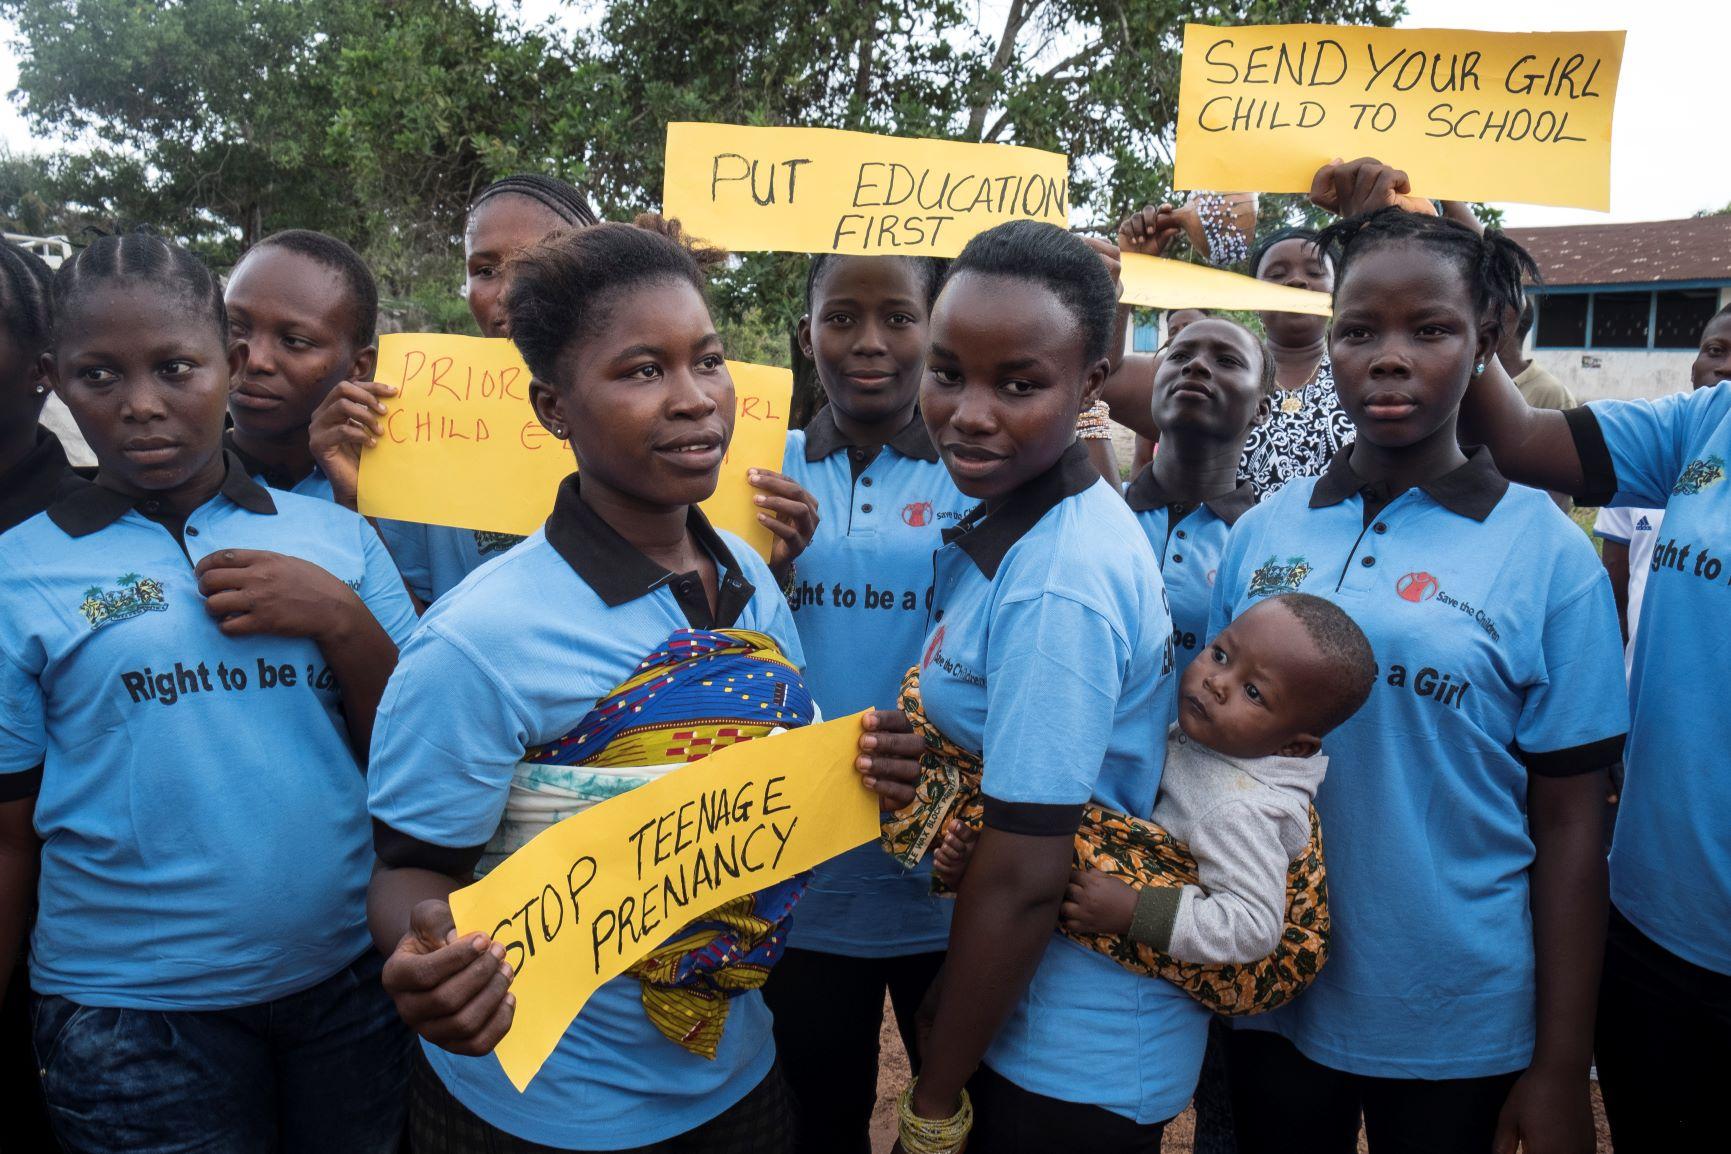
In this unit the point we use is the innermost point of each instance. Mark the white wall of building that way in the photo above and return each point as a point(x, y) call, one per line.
point(1594, 374)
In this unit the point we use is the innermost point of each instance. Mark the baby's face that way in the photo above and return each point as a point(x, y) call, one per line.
point(1244, 695)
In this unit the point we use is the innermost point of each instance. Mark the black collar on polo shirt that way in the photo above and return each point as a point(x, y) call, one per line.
point(274, 477)
point(1471, 489)
point(90, 506)
point(35, 482)
point(822, 438)
point(1146, 492)
point(619, 572)
point(987, 539)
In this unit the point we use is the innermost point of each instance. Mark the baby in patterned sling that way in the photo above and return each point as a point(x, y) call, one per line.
point(1243, 763)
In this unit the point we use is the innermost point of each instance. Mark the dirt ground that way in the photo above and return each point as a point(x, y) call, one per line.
point(893, 1077)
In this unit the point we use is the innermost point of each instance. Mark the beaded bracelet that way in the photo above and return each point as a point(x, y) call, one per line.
point(1226, 244)
point(933, 1135)
point(1095, 423)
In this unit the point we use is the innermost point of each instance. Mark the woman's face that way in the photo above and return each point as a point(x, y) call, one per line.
point(867, 334)
point(1006, 378)
point(1209, 383)
point(1296, 263)
point(646, 398)
point(501, 228)
point(146, 377)
point(1405, 339)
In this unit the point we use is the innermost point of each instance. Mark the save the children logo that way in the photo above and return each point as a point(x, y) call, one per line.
point(487, 543)
point(917, 514)
point(936, 644)
point(131, 596)
point(1701, 473)
point(1274, 577)
point(1416, 587)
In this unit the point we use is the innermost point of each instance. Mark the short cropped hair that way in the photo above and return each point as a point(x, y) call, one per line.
point(1345, 650)
point(324, 249)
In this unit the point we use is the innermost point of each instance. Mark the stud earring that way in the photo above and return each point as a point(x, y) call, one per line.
point(42, 390)
point(1479, 369)
point(559, 431)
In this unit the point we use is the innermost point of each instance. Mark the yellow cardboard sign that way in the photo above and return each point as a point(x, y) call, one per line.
point(826, 190)
point(1156, 283)
point(1514, 116)
point(584, 900)
point(462, 447)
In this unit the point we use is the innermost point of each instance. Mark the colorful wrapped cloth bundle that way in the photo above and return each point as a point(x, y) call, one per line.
point(1140, 852)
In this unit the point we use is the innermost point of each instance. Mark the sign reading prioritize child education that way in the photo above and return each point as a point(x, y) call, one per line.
point(827, 190)
point(1515, 116)
point(586, 899)
point(461, 446)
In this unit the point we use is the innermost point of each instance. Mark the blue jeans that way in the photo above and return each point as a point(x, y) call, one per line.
point(324, 1071)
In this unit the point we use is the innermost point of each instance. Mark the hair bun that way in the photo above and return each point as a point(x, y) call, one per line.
point(706, 255)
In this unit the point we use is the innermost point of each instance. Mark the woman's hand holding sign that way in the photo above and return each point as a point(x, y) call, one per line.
point(889, 760)
point(454, 992)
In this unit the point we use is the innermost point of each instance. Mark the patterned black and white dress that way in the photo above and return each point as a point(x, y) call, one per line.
point(1308, 427)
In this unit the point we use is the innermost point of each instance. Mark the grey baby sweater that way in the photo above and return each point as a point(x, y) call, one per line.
point(1244, 821)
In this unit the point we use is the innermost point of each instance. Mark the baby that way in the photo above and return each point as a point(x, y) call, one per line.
point(1242, 765)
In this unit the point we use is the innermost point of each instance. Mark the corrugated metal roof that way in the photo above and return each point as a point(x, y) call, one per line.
point(1696, 249)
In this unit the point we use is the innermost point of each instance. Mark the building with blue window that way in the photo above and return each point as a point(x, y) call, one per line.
point(1622, 306)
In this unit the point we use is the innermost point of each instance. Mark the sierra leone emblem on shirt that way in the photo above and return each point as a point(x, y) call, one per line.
point(1701, 473)
point(131, 596)
point(488, 543)
point(1275, 577)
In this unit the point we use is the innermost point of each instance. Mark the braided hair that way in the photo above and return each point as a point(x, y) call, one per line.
point(26, 298)
point(1046, 255)
point(1493, 266)
point(331, 253)
point(147, 258)
point(559, 197)
point(563, 288)
point(930, 271)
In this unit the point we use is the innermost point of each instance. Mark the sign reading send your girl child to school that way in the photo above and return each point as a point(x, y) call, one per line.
point(1514, 116)
point(828, 190)
point(461, 446)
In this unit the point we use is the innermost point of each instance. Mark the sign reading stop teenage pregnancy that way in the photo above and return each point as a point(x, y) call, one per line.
point(584, 900)
point(1522, 116)
point(826, 190)
point(462, 447)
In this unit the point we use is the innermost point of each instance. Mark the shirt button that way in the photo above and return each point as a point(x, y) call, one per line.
point(192, 530)
point(685, 587)
point(866, 481)
point(1368, 562)
point(1380, 527)
point(1179, 534)
point(151, 506)
point(865, 508)
point(939, 615)
point(1177, 558)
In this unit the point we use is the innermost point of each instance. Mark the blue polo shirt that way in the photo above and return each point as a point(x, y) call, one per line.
point(1187, 541)
point(863, 593)
point(515, 658)
point(203, 818)
point(1050, 656)
point(1671, 856)
point(315, 484)
point(1498, 657)
point(434, 559)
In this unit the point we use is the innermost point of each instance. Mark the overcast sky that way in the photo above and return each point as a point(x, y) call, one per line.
point(1668, 154)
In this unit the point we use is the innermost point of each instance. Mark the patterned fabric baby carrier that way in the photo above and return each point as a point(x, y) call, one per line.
point(1140, 852)
point(699, 691)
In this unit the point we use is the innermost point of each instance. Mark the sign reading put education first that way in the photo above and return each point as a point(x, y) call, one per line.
point(584, 900)
point(827, 190)
point(1505, 116)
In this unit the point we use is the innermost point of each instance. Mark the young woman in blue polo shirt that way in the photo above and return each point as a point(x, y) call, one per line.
point(505, 218)
point(613, 322)
point(1463, 807)
point(1050, 657)
point(188, 665)
point(865, 925)
point(1664, 1029)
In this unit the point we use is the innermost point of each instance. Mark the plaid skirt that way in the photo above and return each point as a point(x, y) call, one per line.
point(759, 1123)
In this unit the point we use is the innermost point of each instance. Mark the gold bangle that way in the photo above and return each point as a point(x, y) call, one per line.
point(933, 1135)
